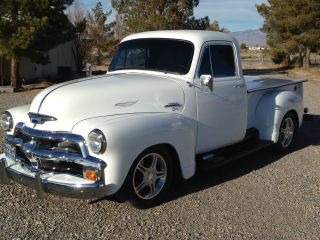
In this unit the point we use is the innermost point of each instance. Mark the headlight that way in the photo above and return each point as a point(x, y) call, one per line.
point(97, 142)
point(6, 121)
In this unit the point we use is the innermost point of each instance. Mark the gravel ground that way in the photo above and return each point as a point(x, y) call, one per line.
point(263, 196)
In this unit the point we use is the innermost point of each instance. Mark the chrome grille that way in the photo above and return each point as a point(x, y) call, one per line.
point(50, 144)
point(52, 151)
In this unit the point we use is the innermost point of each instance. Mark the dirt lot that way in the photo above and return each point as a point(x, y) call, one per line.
point(264, 196)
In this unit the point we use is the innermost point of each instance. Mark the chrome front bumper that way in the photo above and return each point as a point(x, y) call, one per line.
point(37, 166)
point(46, 182)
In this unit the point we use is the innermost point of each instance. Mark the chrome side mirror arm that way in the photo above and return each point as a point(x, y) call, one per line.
point(206, 80)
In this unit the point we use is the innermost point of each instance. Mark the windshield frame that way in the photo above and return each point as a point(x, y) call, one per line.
point(150, 69)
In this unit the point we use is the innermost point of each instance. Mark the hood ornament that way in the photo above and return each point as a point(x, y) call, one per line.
point(37, 118)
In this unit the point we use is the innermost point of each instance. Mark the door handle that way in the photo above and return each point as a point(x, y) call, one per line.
point(241, 85)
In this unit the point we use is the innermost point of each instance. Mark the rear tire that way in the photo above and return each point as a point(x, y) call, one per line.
point(286, 132)
point(150, 178)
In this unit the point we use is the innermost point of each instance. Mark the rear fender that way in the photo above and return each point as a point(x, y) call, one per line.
point(271, 110)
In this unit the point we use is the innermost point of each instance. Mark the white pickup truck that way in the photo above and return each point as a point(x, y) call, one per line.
point(171, 101)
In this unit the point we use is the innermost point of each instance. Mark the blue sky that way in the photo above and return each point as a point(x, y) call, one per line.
point(236, 15)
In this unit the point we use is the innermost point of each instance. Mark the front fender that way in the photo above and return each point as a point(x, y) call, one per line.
point(129, 135)
point(271, 110)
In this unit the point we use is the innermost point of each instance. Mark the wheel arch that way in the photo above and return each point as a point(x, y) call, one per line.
point(174, 154)
point(285, 140)
point(296, 117)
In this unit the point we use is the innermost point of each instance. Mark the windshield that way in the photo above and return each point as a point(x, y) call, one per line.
point(165, 55)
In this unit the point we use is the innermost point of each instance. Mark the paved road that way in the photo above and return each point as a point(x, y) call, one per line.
point(264, 196)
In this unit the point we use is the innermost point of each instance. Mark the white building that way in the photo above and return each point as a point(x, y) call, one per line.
point(256, 48)
point(61, 60)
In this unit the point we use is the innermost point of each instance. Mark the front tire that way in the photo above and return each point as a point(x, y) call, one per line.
point(150, 177)
point(286, 131)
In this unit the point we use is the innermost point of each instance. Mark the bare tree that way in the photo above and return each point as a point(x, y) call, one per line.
point(83, 44)
point(76, 14)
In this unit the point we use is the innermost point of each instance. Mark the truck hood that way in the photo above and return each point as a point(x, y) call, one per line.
point(108, 95)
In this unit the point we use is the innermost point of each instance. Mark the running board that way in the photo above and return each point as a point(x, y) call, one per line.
point(225, 155)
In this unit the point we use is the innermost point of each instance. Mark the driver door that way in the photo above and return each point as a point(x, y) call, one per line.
point(222, 108)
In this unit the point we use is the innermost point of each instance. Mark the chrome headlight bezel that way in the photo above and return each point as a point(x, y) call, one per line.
point(6, 121)
point(97, 141)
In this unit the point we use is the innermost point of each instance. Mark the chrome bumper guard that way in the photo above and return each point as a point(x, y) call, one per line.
point(38, 178)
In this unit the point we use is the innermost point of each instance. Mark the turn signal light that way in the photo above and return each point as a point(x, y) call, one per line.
point(90, 175)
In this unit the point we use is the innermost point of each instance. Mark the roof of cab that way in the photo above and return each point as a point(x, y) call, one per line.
point(194, 36)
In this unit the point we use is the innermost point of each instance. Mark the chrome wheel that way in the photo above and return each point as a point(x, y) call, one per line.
point(149, 176)
point(286, 132)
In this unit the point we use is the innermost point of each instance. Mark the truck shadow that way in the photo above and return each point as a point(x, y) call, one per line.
point(307, 135)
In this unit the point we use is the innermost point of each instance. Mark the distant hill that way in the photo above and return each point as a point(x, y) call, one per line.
point(251, 37)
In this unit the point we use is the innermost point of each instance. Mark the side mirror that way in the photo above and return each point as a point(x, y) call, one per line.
point(206, 80)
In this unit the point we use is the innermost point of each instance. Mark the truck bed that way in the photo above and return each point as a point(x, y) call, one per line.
point(259, 83)
point(257, 86)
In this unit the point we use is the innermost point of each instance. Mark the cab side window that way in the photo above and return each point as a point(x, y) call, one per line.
point(222, 59)
point(205, 68)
